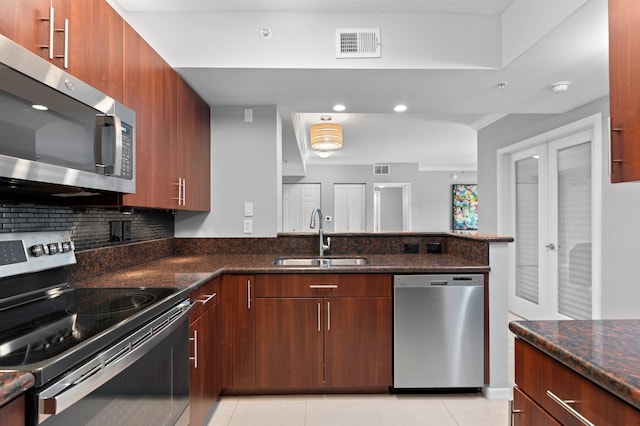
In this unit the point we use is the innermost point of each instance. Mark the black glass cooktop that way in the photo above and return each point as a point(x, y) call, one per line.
point(35, 331)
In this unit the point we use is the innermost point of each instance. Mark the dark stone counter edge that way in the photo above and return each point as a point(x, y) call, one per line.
point(606, 379)
point(467, 235)
point(13, 384)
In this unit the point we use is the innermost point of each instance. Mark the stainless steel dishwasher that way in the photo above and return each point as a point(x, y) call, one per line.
point(438, 331)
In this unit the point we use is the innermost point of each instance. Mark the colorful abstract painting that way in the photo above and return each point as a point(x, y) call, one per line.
point(465, 207)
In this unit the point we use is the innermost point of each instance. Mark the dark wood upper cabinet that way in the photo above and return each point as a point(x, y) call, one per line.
point(87, 37)
point(624, 81)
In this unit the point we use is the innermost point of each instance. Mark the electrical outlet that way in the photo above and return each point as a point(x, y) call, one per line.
point(248, 226)
point(115, 231)
point(411, 248)
point(434, 248)
point(126, 230)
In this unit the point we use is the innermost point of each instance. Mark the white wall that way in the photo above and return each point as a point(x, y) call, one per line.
point(246, 165)
point(430, 191)
point(620, 202)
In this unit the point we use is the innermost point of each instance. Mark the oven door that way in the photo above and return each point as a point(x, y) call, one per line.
point(143, 379)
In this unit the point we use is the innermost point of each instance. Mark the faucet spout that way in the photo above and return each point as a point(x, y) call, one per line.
point(312, 225)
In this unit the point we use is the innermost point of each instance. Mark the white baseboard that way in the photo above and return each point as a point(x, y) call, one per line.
point(503, 394)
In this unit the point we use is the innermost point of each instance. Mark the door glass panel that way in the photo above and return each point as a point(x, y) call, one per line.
point(574, 231)
point(527, 229)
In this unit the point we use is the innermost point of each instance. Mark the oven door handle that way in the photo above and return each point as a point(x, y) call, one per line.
point(108, 364)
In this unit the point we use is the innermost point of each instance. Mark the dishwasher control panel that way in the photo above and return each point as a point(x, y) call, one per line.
point(432, 280)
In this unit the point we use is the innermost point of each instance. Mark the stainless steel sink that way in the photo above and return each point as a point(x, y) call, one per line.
point(321, 261)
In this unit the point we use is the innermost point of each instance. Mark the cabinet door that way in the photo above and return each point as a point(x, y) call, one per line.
point(95, 43)
point(13, 413)
point(288, 343)
point(193, 149)
point(20, 21)
point(238, 332)
point(358, 342)
point(204, 376)
point(624, 87)
point(151, 92)
point(525, 412)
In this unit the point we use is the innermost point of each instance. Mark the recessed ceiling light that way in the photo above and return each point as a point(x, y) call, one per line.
point(39, 107)
point(339, 107)
point(400, 108)
point(560, 87)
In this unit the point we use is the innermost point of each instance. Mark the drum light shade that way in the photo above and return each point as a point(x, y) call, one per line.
point(326, 136)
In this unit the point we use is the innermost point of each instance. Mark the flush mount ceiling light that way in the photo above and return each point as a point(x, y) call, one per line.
point(326, 136)
point(339, 107)
point(560, 87)
point(400, 108)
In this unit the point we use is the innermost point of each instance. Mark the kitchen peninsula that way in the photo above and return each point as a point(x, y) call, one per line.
point(198, 262)
point(577, 372)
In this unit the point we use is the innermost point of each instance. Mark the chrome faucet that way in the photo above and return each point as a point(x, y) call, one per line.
point(312, 225)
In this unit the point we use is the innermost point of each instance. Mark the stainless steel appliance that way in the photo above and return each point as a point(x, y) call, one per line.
point(58, 130)
point(438, 331)
point(99, 355)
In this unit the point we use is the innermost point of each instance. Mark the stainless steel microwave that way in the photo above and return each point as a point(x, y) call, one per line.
point(56, 129)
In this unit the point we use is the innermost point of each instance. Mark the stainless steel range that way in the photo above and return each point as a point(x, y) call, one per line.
point(99, 355)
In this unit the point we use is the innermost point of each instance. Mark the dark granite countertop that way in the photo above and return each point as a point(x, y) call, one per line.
point(12, 384)
point(607, 352)
point(193, 271)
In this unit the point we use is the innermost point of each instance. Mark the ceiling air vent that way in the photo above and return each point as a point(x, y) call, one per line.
point(381, 169)
point(358, 43)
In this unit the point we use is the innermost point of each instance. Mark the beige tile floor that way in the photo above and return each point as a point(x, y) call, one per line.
point(369, 410)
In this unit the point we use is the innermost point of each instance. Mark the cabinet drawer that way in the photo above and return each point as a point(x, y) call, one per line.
point(548, 382)
point(205, 297)
point(323, 285)
point(526, 412)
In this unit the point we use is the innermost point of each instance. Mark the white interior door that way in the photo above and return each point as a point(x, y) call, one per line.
point(349, 206)
point(299, 200)
point(551, 216)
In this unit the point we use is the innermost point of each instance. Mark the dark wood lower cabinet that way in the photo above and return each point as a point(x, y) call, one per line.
point(204, 377)
point(323, 342)
point(358, 342)
point(564, 395)
point(12, 413)
point(525, 412)
point(289, 343)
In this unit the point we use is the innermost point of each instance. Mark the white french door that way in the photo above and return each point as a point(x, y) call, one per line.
point(550, 216)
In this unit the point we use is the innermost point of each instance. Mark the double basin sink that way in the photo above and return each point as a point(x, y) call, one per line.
point(321, 261)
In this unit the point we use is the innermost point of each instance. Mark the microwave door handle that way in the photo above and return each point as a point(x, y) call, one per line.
point(117, 152)
point(115, 168)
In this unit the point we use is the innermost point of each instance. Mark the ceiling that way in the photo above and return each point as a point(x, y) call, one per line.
point(446, 104)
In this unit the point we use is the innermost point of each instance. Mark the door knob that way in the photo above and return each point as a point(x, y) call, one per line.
point(551, 246)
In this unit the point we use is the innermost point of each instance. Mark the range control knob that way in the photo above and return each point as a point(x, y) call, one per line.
point(53, 248)
point(37, 250)
point(66, 246)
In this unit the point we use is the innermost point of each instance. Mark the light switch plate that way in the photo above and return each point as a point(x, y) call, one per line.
point(248, 226)
point(248, 209)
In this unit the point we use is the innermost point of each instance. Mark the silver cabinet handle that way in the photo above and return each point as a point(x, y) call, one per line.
point(184, 191)
point(319, 329)
point(180, 186)
point(323, 286)
point(248, 294)
point(194, 358)
point(513, 411)
point(51, 32)
point(571, 410)
point(328, 316)
point(208, 298)
point(65, 53)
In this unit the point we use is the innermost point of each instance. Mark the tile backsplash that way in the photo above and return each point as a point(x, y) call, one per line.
point(89, 227)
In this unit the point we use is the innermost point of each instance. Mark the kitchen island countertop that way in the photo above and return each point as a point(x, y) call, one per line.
point(606, 352)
